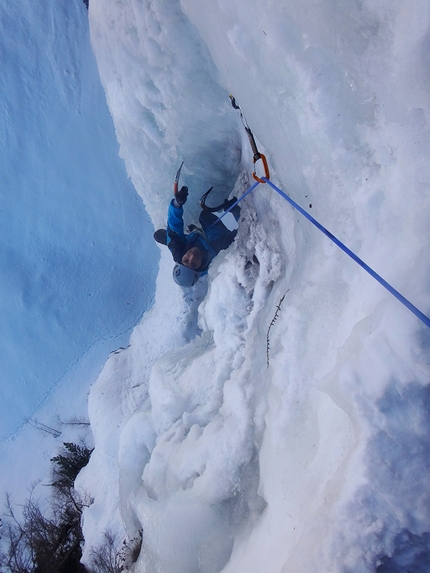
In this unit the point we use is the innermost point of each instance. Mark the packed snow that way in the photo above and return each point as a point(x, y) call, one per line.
point(78, 267)
point(75, 278)
point(274, 417)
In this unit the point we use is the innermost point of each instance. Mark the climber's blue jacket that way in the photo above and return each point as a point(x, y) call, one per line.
point(210, 239)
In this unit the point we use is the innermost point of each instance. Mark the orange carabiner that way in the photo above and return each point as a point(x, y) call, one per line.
point(266, 169)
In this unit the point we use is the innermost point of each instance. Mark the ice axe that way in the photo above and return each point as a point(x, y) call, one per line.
point(176, 183)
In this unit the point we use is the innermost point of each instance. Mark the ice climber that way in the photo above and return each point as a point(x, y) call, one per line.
point(193, 251)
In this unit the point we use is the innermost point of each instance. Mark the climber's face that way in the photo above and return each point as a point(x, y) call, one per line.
point(193, 258)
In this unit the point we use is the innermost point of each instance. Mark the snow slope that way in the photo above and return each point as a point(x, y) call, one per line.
point(276, 417)
point(74, 279)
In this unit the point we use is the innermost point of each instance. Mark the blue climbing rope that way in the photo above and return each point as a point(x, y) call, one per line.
point(353, 256)
point(236, 202)
point(344, 248)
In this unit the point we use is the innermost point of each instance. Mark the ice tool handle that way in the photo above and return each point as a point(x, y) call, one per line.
point(257, 155)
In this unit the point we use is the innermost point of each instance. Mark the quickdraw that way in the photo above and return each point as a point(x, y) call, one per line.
point(257, 154)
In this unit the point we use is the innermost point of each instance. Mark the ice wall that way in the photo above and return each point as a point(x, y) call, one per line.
point(169, 105)
point(301, 448)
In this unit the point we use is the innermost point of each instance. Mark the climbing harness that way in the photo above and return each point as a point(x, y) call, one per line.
point(425, 319)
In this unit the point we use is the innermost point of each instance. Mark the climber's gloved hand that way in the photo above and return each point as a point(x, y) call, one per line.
point(181, 195)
